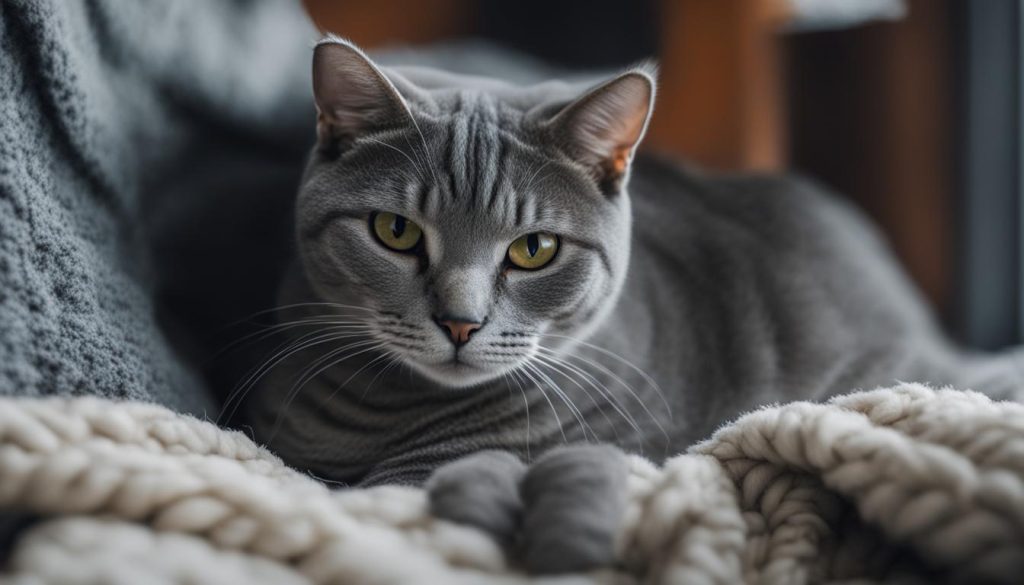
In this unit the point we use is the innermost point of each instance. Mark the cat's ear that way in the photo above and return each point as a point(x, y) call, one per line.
point(352, 95)
point(602, 128)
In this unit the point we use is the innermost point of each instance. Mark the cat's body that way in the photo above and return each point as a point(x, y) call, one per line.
point(483, 273)
point(741, 291)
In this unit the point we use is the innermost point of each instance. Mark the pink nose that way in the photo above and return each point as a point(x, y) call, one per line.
point(459, 330)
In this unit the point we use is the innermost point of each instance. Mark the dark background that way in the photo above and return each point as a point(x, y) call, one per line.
point(916, 119)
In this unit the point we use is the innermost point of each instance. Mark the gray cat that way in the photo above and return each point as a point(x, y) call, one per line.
point(474, 288)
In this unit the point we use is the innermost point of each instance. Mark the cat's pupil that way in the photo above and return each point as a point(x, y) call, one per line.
point(398, 226)
point(532, 244)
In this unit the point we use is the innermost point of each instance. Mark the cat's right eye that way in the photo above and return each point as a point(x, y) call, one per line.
point(395, 231)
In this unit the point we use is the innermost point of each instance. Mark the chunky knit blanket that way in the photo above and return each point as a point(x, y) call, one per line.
point(905, 485)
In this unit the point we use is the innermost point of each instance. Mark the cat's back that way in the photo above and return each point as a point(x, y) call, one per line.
point(762, 281)
point(778, 214)
point(789, 226)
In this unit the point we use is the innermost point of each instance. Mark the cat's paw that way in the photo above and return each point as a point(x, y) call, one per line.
point(481, 490)
point(559, 515)
point(573, 501)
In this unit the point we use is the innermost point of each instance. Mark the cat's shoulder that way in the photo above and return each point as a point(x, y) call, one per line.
point(660, 175)
point(771, 207)
point(762, 195)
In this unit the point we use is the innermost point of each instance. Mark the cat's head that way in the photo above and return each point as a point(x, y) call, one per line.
point(475, 219)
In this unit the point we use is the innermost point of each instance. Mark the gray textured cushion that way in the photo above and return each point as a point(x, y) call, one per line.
point(134, 139)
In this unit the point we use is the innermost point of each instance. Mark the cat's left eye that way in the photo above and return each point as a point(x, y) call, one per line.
point(533, 251)
point(395, 231)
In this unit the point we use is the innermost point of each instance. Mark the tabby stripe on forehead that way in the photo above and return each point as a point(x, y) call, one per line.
point(488, 170)
point(496, 166)
point(479, 150)
point(466, 139)
point(449, 157)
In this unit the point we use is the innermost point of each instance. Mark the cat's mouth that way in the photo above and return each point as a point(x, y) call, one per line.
point(456, 365)
point(466, 364)
point(460, 367)
point(456, 372)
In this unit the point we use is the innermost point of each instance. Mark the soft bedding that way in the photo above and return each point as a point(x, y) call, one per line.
point(904, 484)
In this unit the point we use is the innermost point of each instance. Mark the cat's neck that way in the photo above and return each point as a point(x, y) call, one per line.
point(354, 423)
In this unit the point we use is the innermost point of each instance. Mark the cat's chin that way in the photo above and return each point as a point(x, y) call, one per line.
point(456, 375)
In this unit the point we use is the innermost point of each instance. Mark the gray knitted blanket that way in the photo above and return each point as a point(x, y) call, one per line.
point(130, 132)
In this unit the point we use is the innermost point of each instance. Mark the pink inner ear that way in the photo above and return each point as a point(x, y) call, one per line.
point(621, 158)
point(622, 153)
point(352, 95)
point(605, 125)
point(324, 134)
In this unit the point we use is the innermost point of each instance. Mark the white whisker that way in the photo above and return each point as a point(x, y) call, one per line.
point(416, 166)
point(623, 383)
point(395, 359)
point(299, 305)
point(384, 355)
point(526, 401)
point(548, 399)
point(426, 151)
point(293, 392)
point(280, 353)
point(549, 363)
point(577, 414)
point(271, 330)
point(597, 385)
point(647, 378)
point(529, 182)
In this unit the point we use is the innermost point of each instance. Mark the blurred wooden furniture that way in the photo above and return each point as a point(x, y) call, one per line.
point(872, 113)
point(373, 23)
point(720, 97)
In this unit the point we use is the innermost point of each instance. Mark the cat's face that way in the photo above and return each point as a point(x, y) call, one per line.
point(471, 231)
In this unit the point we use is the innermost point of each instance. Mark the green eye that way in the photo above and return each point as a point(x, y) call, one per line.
point(533, 251)
point(395, 232)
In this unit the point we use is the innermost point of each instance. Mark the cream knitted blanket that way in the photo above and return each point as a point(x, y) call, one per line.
point(904, 484)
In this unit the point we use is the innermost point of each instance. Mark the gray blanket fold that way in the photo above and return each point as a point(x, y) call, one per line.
point(142, 146)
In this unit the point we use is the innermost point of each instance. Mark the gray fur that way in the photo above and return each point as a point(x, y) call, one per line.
point(668, 310)
point(574, 500)
point(481, 490)
point(559, 515)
